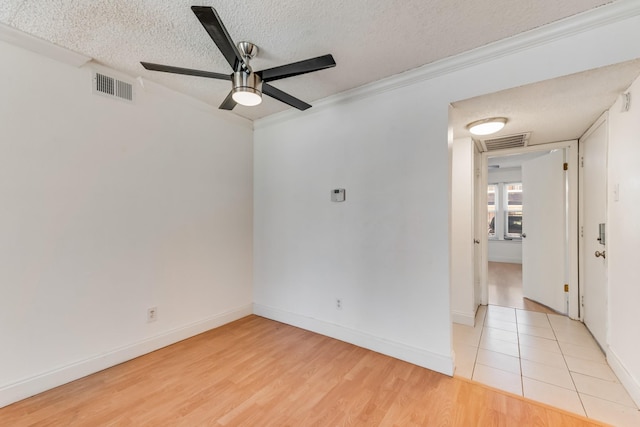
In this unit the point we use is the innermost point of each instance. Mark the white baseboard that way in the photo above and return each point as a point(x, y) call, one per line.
point(463, 318)
point(37, 384)
point(437, 362)
point(631, 384)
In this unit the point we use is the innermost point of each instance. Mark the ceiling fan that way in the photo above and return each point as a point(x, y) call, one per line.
point(247, 85)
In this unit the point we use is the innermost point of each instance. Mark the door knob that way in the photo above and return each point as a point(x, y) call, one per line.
point(600, 254)
point(524, 235)
point(476, 241)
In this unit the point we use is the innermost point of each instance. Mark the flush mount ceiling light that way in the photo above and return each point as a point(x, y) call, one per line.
point(487, 126)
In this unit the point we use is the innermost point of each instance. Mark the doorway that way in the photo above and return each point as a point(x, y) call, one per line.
point(515, 266)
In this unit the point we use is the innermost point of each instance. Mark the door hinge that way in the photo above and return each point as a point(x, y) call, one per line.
point(582, 161)
point(582, 231)
point(566, 287)
point(565, 166)
point(582, 300)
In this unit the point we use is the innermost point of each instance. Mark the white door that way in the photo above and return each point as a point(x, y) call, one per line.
point(478, 228)
point(543, 230)
point(593, 186)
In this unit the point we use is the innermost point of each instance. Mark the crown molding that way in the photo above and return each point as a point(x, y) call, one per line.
point(591, 19)
point(34, 44)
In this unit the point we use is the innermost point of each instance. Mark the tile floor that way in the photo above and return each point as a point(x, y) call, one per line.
point(544, 357)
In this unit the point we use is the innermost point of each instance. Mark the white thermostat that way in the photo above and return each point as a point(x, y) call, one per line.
point(337, 195)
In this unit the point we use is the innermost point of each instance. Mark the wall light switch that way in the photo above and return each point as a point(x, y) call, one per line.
point(338, 195)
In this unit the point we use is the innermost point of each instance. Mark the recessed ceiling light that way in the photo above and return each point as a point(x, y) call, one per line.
point(487, 126)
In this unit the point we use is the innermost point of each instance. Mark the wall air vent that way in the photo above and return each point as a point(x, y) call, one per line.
point(504, 142)
point(105, 85)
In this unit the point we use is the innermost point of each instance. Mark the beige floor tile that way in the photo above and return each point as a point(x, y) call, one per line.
point(580, 352)
point(552, 395)
point(481, 313)
point(551, 370)
point(500, 346)
point(500, 334)
point(467, 335)
point(493, 309)
point(607, 390)
point(501, 317)
point(590, 368)
point(465, 360)
point(501, 324)
point(609, 412)
point(498, 378)
point(583, 339)
point(498, 360)
point(541, 356)
point(536, 331)
point(559, 322)
point(541, 343)
point(548, 374)
point(501, 313)
point(533, 319)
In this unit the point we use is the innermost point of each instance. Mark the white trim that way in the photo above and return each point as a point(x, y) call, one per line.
point(437, 362)
point(463, 318)
point(34, 44)
point(631, 384)
point(30, 386)
point(594, 18)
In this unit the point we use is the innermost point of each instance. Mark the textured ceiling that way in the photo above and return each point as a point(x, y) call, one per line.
point(553, 110)
point(369, 39)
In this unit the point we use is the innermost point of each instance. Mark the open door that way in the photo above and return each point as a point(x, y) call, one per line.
point(543, 230)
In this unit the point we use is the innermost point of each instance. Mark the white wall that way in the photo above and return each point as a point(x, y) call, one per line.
point(110, 208)
point(369, 251)
point(463, 307)
point(505, 251)
point(385, 251)
point(623, 235)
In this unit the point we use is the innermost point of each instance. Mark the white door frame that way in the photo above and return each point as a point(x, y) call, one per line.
point(572, 218)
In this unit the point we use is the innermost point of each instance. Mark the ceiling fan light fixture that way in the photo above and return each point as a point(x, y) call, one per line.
point(246, 88)
point(247, 96)
point(487, 126)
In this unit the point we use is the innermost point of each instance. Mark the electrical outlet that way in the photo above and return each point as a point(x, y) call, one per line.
point(152, 314)
point(338, 304)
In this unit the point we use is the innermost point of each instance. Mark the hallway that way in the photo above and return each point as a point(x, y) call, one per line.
point(544, 357)
point(504, 285)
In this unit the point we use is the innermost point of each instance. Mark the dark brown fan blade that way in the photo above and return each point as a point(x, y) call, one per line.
point(297, 68)
point(228, 102)
point(211, 22)
point(281, 96)
point(187, 71)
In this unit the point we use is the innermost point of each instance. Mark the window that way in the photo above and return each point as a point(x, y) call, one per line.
point(513, 210)
point(504, 210)
point(491, 206)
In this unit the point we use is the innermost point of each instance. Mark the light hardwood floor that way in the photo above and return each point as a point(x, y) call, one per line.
point(258, 372)
point(504, 282)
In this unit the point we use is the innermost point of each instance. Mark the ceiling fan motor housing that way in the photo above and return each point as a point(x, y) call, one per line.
point(247, 82)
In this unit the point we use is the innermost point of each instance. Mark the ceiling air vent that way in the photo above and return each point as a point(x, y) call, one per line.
point(504, 142)
point(109, 86)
